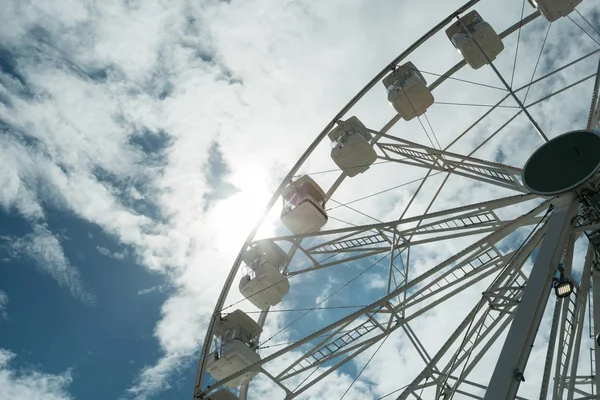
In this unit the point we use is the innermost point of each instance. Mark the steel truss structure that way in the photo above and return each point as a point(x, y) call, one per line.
point(497, 257)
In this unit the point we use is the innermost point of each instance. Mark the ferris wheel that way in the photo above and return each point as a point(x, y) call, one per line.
point(440, 238)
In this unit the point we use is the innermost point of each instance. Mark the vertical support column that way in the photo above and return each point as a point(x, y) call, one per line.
point(509, 370)
point(582, 299)
point(550, 351)
point(596, 292)
point(595, 106)
point(567, 324)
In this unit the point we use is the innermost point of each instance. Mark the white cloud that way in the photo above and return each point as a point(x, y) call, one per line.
point(3, 304)
point(375, 281)
point(45, 249)
point(159, 288)
point(118, 255)
point(31, 384)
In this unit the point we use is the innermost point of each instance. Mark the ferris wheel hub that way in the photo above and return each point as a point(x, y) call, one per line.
point(565, 163)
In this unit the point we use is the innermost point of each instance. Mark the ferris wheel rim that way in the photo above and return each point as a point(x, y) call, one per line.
point(229, 281)
point(304, 157)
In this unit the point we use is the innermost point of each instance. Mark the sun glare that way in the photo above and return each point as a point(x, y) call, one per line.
point(235, 216)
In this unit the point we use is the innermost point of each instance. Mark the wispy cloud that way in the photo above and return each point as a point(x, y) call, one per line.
point(45, 249)
point(3, 304)
point(117, 255)
point(27, 384)
point(158, 288)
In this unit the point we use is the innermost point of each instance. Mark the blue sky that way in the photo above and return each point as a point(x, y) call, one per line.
point(104, 341)
point(96, 322)
point(140, 140)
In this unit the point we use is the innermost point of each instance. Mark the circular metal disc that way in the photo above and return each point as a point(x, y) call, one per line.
point(564, 163)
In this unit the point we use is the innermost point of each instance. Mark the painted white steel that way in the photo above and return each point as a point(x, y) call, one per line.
point(223, 394)
point(408, 91)
point(555, 9)
point(234, 356)
point(510, 368)
point(265, 286)
point(351, 148)
point(479, 43)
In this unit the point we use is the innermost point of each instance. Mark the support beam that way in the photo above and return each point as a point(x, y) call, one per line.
point(417, 155)
point(550, 351)
point(596, 296)
point(595, 106)
point(570, 310)
point(583, 296)
point(508, 87)
point(510, 368)
point(508, 277)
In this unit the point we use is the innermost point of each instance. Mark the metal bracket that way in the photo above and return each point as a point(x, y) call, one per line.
point(518, 375)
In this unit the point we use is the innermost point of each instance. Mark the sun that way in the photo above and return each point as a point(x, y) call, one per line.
point(233, 218)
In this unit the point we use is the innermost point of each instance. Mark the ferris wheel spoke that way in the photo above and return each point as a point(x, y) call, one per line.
point(594, 117)
point(448, 75)
point(463, 275)
point(339, 260)
point(411, 284)
point(441, 79)
point(559, 69)
point(385, 307)
point(524, 87)
point(514, 68)
point(473, 344)
point(507, 32)
point(488, 318)
point(474, 208)
point(535, 124)
point(349, 244)
point(472, 269)
point(414, 339)
point(571, 330)
point(550, 350)
point(480, 339)
point(470, 388)
point(556, 92)
point(594, 322)
point(585, 31)
point(574, 378)
point(319, 356)
point(464, 224)
point(565, 310)
point(335, 367)
point(287, 391)
point(382, 317)
point(418, 155)
point(538, 101)
point(537, 63)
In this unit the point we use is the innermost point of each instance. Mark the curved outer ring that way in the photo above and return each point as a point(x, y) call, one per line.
point(198, 393)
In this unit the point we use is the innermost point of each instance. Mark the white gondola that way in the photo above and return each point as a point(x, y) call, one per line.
point(236, 341)
point(264, 285)
point(351, 150)
point(223, 394)
point(408, 92)
point(554, 9)
point(477, 30)
point(303, 206)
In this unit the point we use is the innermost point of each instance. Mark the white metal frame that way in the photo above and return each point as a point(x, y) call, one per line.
point(513, 301)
